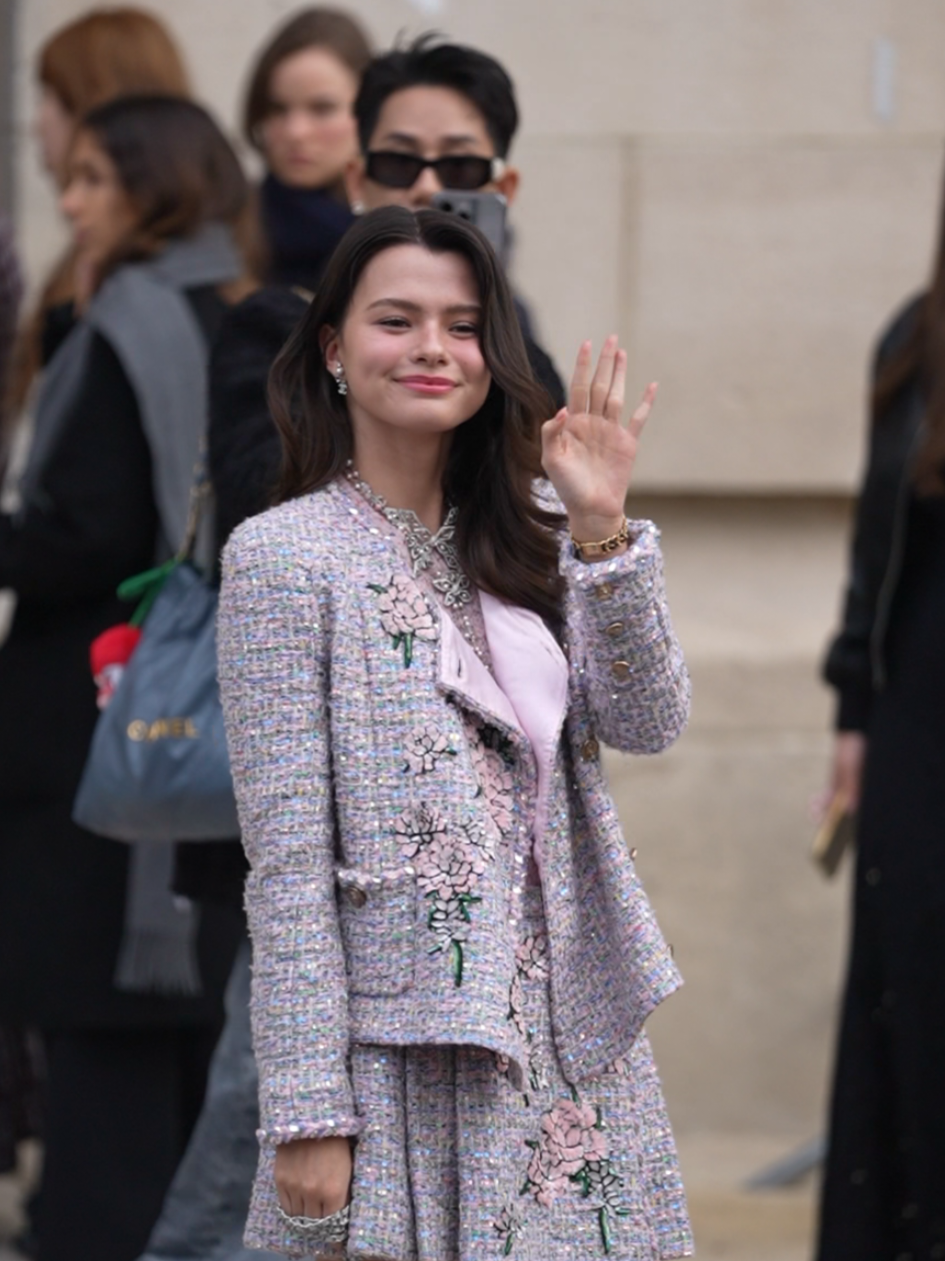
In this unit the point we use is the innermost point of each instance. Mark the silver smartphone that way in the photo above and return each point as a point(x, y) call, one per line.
point(485, 211)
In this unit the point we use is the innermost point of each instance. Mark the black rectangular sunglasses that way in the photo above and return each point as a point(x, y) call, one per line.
point(402, 170)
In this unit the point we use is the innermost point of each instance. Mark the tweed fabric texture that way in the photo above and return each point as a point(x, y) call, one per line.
point(455, 1162)
point(388, 882)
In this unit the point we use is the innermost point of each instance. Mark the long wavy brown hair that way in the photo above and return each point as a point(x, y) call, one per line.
point(504, 539)
point(922, 357)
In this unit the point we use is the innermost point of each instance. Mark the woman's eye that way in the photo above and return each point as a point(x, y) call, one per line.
point(322, 109)
point(465, 329)
point(393, 321)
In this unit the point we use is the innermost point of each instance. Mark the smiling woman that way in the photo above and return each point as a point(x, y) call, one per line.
point(417, 665)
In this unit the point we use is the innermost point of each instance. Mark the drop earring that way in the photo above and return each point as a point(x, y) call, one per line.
point(341, 380)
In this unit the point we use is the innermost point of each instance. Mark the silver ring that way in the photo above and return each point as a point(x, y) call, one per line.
point(332, 1229)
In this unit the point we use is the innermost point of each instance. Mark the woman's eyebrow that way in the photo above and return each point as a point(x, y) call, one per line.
point(404, 305)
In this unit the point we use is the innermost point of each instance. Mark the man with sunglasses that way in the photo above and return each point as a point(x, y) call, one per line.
point(432, 117)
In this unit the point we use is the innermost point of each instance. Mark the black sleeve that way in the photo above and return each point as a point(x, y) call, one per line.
point(848, 666)
point(244, 450)
point(95, 521)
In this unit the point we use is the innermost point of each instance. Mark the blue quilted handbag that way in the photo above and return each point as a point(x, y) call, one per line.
point(158, 768)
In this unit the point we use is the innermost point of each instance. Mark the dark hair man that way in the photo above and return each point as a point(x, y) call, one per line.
point(433, 116)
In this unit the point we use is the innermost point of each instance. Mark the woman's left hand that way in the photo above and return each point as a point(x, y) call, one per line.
point(587, 453)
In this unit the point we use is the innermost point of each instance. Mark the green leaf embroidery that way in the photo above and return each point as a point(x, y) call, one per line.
point(606, 1238)
point(456, 961)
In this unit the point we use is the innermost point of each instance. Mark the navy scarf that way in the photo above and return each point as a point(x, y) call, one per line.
point(302, 228)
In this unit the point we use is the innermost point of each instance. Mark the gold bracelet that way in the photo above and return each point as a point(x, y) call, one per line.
point(593, 551)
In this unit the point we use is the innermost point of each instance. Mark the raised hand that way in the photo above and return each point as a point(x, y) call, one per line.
point(586, 451)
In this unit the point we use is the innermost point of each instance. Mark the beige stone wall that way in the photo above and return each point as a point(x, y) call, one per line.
point(744, 189)
point(712, 180)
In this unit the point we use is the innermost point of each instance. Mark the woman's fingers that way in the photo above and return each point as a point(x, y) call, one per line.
point(579, 396)
point(638, 419)
point(613, 407)
point(313, 1176)
point(603, 377)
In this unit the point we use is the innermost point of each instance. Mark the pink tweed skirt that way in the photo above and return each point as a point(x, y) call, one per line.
point(456, 1162)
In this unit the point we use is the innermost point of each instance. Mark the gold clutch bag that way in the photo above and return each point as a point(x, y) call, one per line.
point(835, 834)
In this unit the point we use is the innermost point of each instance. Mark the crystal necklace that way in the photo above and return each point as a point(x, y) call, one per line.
point(452, 586)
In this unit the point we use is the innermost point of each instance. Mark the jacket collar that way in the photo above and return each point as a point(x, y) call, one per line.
point(528, 694)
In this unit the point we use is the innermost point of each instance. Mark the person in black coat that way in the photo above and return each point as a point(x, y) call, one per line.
point(884, 1181)
point(127, 1059)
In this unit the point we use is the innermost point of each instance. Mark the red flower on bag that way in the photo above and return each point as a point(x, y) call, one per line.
point(109, 653)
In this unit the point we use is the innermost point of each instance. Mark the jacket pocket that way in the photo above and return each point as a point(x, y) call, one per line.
point(378, 917)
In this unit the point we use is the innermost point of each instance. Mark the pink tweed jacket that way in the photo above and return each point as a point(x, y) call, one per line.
point(382, 903)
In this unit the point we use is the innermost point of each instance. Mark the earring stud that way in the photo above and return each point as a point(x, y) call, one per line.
point(341, 381)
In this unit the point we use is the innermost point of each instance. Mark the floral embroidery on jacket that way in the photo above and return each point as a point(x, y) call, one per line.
point(493, 761)
point(425, 748)
point(509, 1224)
point(405, 614)
point(572, 1153)
point(531, 964)
point(448, 866)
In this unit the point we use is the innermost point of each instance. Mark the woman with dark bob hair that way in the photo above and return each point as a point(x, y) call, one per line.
point(422, 648)
point(125, 983)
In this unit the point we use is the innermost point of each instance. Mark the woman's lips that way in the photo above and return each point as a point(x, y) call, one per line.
point(428, 385)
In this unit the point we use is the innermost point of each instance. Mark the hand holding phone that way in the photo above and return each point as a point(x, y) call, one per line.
point(485, 211)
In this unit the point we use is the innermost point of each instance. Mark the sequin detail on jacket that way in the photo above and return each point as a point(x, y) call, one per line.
point(349, 705)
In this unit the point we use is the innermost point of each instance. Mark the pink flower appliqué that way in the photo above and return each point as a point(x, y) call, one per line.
point(425, 748)
point(531, 957)
point(517, 1006)
point(449, 867)
point(570, 1139)
point(496, 781)
point(405, 614)
point(417, 828)
point(572, 1152)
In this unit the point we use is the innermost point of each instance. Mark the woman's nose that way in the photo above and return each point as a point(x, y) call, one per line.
point(68, 201)
point(297, 123)
point(430, 344)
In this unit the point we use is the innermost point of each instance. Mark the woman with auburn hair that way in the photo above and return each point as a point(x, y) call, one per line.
point(884, 1178)
point(421, 649)
point(124, 981)
point(299, 117)
point(103, 54)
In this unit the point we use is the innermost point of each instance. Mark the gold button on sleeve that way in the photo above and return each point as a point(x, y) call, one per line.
point(590, 749)
point(620, 670)
point(615, 629)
